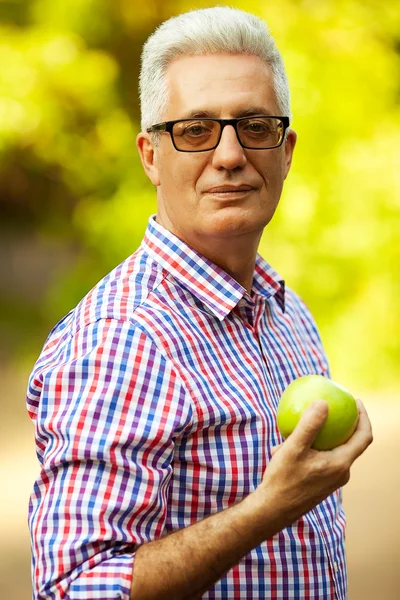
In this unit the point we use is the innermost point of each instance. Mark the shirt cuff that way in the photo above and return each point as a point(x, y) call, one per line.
point(109, 580)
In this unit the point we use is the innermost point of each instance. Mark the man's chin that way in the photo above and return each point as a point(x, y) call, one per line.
point(231, 220)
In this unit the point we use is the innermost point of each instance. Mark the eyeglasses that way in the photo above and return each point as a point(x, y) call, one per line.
point(200, 135)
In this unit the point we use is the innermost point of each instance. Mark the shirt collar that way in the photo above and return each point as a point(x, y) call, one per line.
point(267, 282)
point(205, 280)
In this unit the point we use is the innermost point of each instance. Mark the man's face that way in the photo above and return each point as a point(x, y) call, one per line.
point(191, 199)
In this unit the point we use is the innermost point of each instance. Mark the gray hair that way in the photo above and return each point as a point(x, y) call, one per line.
point(220, 29)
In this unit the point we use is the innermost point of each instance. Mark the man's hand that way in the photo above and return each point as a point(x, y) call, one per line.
point(299, 477)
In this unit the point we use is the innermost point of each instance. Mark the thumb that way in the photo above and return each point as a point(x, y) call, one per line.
point(310, 424)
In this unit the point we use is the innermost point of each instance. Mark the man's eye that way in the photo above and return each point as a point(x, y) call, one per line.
point(258, 128)
point(195, 130)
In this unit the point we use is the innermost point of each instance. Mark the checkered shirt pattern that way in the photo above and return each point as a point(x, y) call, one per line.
point(154, 403)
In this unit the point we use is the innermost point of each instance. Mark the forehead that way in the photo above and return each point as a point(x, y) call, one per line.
point(223, 85)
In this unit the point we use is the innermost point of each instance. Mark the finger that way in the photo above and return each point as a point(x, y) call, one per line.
point(309, 425)
point(361, 438)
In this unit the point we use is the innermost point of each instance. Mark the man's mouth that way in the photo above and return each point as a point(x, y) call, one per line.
point(229, 190)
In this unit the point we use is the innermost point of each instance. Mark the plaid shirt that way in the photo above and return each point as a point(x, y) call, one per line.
point(154, 402)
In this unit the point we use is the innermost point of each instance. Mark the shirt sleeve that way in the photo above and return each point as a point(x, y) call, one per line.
point(107, 409)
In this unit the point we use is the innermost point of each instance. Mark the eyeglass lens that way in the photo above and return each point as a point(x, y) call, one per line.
point(257, 133)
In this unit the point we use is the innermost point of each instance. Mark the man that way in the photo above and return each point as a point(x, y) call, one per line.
point(163, 471)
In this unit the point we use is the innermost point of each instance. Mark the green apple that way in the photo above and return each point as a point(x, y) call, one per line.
point(342, 416)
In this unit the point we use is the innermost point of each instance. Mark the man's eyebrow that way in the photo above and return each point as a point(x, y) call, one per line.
point(246, 112)
point(256, 110)
point(201, 114)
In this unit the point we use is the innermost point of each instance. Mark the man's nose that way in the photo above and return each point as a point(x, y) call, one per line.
point(229, 154)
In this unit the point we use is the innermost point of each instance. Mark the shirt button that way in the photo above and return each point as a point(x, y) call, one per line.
point(336, 567)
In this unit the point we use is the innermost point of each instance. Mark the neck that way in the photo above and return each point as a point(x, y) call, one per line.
point(236, 255)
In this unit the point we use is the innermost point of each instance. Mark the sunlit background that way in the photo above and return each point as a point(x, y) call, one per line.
point(75, 202)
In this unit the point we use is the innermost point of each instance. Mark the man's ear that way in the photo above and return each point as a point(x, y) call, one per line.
point(148, 157)
point(290, 143)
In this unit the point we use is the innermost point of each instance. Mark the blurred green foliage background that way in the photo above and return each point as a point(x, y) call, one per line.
point(75, 202)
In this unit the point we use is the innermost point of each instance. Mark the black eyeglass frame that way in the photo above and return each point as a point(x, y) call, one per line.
point(167, 126)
